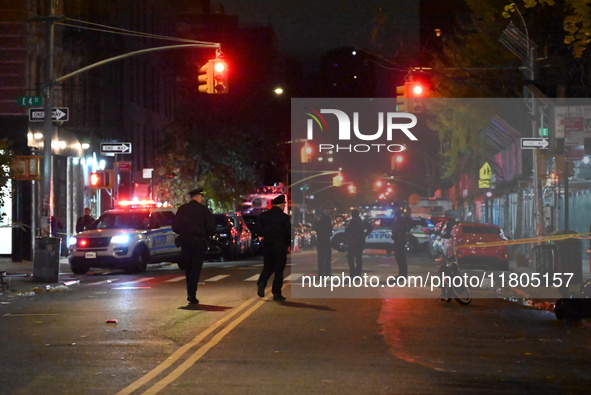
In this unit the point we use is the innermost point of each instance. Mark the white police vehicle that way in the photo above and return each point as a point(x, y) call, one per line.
point(380, 237)
point(127, 238)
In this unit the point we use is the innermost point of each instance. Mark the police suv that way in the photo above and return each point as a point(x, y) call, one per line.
point(381, 236)
point(127, 238)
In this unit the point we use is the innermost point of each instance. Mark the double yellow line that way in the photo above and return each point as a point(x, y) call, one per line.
point(197, 354)
point(540, 239)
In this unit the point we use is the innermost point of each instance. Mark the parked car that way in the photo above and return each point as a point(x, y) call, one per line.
point(421, 228)
point(129, 238)
point(465, 233)
point(251, 222)
point(224, 244)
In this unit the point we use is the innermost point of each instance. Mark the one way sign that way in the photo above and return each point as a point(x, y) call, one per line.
point(533, 142)
point(57, 114)
point(115, 148)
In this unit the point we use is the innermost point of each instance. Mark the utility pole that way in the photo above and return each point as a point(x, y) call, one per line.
point(47, 184)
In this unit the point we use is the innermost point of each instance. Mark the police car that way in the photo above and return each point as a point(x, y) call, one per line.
point(127, 238)
point(380, 237)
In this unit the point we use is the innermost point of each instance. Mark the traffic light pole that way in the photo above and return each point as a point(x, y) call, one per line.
point(46, 193)
point(46, 186)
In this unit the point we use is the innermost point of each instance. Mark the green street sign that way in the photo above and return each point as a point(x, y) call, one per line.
point(30, 101)
point(543, 132)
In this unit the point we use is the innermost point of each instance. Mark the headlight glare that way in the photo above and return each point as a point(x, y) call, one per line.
point(120, 239)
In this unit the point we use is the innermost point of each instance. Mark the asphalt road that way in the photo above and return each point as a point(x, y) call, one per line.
point(117, 333)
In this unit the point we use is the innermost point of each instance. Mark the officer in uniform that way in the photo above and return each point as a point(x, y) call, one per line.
point(400, 228)
point(275, 228)
point(323, 228)
point(194, 223)
point(356, 232)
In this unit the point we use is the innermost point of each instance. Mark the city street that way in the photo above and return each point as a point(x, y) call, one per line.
point(119, 333)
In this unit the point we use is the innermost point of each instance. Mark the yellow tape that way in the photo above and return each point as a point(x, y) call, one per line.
point(539, 239)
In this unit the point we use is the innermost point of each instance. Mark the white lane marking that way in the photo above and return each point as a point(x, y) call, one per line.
point(218, 277)
point(175, 279)
point(253, 278)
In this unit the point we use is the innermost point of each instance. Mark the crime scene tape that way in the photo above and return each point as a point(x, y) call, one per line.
point(539, 239)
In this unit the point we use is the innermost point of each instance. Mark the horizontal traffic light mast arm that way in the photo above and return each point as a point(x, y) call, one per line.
point(324, 173)
point(134, 53)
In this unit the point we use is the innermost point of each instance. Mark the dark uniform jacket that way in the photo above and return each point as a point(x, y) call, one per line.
point(323, 228)
point(193, 221)
point(83, 223)
point(356, 231)
point(275, 227)
point(400, 227)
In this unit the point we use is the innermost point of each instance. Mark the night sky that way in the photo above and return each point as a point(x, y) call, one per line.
point(307, 28)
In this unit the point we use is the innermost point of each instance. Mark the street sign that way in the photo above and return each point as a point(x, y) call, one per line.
point(57, 114)
point(486, 172)
point(534, 142)
point(30, 101)
point(124, 166)
point(543, 132)
point(115, 148)
point(483, 184)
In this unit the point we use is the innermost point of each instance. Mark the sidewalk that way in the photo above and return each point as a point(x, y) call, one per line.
point(19, 281)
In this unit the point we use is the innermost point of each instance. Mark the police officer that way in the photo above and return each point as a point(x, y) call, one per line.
point(85, 221)
point(275, 228)
point(400, 228)
point(323, 228)
point(194, 223)
point(356, 232)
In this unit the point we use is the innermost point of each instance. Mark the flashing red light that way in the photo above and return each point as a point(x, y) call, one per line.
point(417, 90)
point(219, 67)
point(137, 203)
point(83, 242)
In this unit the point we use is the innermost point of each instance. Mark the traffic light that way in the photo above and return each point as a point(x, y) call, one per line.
point(102, 179)
point(213, 77)
point(220, 76)
point(396, 161)
point(206, 78)
point(337, 180)
point(402, 98)
point(306, 154)
point(409, 95)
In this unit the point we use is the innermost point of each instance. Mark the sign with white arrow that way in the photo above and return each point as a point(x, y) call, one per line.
point(115, 148)
point(57, 114)
point(534, 142)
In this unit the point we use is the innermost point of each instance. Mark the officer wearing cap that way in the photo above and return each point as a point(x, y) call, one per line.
point(275, 228)
point(194, 223)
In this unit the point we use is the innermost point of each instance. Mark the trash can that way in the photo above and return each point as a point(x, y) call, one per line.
point(569, 259)
point(544, 257)
point(570, 256)
point(46, 259)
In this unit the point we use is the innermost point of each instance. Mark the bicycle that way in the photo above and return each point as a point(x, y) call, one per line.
point(449, 271)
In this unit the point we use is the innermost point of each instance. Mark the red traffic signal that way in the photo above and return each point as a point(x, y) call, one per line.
point(417, 89)
point(101, 179)
point(220, 76)
point(213, 77)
